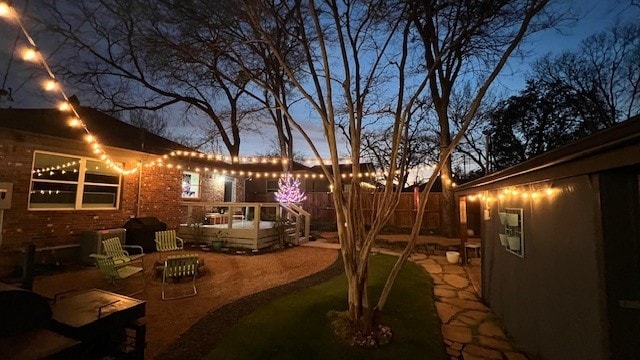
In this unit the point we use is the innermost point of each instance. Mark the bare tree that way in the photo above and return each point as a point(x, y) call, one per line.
point(360, 60)
point(153, 122)
point(156, 54)
point(606, 65)
point(419, 140)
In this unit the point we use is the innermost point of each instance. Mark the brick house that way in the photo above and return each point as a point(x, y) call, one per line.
point(60, 188)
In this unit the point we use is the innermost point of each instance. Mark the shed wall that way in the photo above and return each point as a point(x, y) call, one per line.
point(549, 300)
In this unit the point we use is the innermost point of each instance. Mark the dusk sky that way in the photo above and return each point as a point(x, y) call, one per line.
point(24, 78)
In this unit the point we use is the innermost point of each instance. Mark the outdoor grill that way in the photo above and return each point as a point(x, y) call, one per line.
point(142, 231)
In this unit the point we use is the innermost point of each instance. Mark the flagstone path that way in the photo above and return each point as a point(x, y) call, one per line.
point(469, 328)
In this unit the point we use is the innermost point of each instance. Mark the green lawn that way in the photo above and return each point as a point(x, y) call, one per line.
point(296, 326)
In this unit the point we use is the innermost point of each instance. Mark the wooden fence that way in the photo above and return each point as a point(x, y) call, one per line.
point(322, 210)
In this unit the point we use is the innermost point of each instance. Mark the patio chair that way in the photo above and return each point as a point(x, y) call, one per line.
point(177, 267)
point(168, 241)
point(112, 247)
point(107, 266)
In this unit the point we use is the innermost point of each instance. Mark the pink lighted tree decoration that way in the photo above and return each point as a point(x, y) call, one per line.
point(289, 190)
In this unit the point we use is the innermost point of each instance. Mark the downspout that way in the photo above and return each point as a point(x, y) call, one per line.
point(139, 188)
point(139, 196)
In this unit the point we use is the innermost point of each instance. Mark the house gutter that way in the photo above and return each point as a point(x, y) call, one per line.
point(496, 178)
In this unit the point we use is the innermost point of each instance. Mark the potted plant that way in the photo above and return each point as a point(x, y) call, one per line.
point(218, 241)
point(281, 224)
point(453, 257)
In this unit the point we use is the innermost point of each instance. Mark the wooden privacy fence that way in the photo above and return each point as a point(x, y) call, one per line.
point(320, 205)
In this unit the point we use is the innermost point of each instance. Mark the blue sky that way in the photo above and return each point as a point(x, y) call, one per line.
point(596, 16)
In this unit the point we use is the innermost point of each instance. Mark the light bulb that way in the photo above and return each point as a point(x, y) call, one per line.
point(50, 85)
point(64, 106)
point(74, 122)
point(29, 54)
point(5, 9)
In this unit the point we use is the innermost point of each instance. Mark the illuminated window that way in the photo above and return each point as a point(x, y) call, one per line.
point(190, 184)
point(63, 182)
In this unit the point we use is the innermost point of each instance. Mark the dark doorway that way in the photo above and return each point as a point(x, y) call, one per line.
point(229, 189)
point(620, 206)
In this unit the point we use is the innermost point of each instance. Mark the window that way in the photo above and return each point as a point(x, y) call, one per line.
point(72, 182)
point(272, 186)
point(190, 184)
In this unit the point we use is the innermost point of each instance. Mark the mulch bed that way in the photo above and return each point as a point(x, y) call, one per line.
point(203, 336)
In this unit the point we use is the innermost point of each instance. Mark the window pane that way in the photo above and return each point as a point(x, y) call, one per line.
point(190, 185)
point(55, 167)
point(272, 185)
point(95, 196)
point(99, 172)
point(53, 195)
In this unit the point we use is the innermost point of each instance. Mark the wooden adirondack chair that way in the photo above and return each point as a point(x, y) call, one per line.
point(178, 266)
point(107, 266)
point(112, 247)
point(168, 241)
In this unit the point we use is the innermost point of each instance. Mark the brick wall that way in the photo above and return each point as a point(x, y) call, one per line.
point(160, 195)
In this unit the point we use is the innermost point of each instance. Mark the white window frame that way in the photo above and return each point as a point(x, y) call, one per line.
point(82, 169)
point(198, 186)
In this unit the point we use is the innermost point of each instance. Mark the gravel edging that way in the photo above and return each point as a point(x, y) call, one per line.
point(202, 337)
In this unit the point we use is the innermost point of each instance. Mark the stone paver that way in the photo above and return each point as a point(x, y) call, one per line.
point(461, 334)
point(439, 291)
point(432, 268)
point(490, 328)
point(470, 330)
point(446, 311)
point(458, 281)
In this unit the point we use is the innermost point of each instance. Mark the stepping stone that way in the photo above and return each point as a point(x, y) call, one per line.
point(456, 281)
point(444, 292)
point(445, 311)
point(440, 260)
point(472, 317)
point(459, 334)
point(453, 269)
point(475, 351)
point(453, 352)
point(466, 304)
point(432, 268)
point(445, 287)
point(456, 346)
point(467, 295)
point(417, 257)
point(437, 279)
point(492, 343)
point(515, 356)
point(490, 328)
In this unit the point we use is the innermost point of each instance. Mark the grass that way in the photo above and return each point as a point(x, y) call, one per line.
point(296, 326)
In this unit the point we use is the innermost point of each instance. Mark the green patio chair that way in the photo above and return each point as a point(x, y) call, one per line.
point(177, 267)
point(112, 247)
point(107, 266)
point(168, 241)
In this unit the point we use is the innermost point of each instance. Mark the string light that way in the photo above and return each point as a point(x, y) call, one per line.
point(513, 193)
point(5, 10)
point(29, 54)
point(32, 54)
